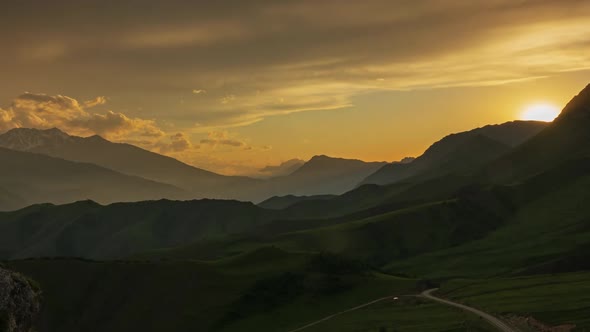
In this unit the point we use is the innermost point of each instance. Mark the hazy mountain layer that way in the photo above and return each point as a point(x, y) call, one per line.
point(28, 178)
point(320, 175)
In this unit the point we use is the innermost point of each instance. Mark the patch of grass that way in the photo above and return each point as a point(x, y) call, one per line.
point(555, 299)
point(375, 240)
point(313, 306)
point(83, 295)
point(405, 314)
point(549, 234)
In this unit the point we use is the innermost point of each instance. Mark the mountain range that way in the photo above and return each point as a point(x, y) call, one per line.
point(321, 175)
point(176, 180)
point(502, 206)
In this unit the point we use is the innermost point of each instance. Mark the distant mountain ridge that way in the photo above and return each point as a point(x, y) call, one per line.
point(320, 175)
point(28, 178)
point(127, 159)
point(323, 175)
point(460, 152)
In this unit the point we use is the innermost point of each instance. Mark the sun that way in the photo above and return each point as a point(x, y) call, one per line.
point(540, 112)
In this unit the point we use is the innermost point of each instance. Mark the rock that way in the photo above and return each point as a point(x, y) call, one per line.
point(19, 302)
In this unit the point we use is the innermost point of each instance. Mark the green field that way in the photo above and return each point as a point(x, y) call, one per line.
point(271, 286)
point(404, 315)
point(550, 234)
point(554, 299)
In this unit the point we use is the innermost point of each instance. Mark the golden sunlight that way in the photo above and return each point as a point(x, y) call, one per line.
point(540, 112)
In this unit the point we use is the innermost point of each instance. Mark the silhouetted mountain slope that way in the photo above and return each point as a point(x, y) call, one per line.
point(462, 152)
point(28, 178)
point(566, 138)
point(127, 159)
point(282, 202)
point(87, 229)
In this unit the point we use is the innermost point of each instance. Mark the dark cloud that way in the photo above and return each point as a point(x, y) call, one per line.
point(262, 58)
point(219, 138)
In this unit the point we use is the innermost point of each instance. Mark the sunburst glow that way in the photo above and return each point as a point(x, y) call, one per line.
point(540, 112)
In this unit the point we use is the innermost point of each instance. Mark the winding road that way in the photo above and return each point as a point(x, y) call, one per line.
point(500, 325)
point(342, 312)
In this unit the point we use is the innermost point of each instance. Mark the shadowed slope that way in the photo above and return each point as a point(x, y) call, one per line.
point(28, 178)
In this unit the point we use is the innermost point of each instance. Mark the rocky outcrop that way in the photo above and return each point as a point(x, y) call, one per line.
point(19, 302)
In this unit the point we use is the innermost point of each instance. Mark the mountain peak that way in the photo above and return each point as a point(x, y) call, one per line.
point(320, 157)
point(55, 131)
point(33, 131)
point(578, 108)
point(26, 139)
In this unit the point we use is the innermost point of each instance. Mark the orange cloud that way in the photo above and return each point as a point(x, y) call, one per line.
point(101, 100)
point(216, 138)
point(43, 111)
point(178, 143)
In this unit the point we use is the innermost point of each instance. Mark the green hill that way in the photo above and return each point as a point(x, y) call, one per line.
point(549, 232)
point(87, 229)
point(283, 202)
point(554, 299)
point(375, 240)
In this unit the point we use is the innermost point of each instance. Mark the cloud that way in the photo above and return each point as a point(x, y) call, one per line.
point(172, 35)
point(199, 91)
point(222, 138)
point(178, 143)
point(282, 57)
point(228, 99)
point(101, 100)
point(111, 124)
point(42, 111)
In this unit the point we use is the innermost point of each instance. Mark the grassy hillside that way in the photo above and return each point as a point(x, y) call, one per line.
point(548, 234)
point(229, 295)
point(407, 314)
point(374, 240)
point(283, 202)
point(554, 299)
point(87, 229)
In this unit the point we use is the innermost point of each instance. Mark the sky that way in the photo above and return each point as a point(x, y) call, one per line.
point(234, 86)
